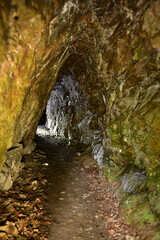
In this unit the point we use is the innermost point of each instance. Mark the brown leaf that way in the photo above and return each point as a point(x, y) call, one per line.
point(12, 229)
point(3, 236)
point(10, 208)
point(111, 232)
point(3, 228)
point(9, 228)
point(21, 223)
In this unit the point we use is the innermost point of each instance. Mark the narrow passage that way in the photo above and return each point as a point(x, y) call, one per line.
point(61, 195)
point(78, 196)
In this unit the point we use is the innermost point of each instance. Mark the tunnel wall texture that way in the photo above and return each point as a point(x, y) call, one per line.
point(113, 48)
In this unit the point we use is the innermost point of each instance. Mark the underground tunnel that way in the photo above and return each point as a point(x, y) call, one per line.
point(79, 119)
point(67, 116)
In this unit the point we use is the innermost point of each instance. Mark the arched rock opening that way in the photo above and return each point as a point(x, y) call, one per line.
point(70, 114)
point(113, 50)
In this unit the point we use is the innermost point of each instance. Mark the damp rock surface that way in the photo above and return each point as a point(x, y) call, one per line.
point(112, 47)
point(131, 181)
point(69, 118)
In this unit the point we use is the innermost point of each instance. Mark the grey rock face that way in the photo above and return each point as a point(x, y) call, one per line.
point(68, 116)
point(131, 182)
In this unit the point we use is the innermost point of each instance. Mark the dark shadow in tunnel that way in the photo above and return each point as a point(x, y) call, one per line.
point(43, 118)
point(64, 106)
point(73, 66)
point(68, 114)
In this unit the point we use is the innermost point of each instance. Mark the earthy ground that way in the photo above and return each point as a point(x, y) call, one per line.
point(61, 195)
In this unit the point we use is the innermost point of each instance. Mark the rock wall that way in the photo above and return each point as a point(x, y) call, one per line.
point(113, 49)
point(69, 117)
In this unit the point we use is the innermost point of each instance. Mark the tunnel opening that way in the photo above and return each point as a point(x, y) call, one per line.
point(69, 119)
point(63, 106)
point(68, 115)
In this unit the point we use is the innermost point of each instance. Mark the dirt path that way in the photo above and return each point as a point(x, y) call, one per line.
point(79, 203)
point(61, 195)
point(73, 214)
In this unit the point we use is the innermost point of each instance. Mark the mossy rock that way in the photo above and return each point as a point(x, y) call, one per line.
point(109, 172)
point(136, 210)
point(157, 236)
point(153, 185)
point(150, 232)
point(139, 52)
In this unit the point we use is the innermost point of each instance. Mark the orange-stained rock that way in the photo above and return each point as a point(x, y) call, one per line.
point(112, 47)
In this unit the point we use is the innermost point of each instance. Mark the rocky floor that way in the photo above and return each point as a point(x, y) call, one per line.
point(61, 195)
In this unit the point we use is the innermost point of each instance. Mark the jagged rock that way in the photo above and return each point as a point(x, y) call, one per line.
point(132, 182)
point(112, 47)
point(11, 167)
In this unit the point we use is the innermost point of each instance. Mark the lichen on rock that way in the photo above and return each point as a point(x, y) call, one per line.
point(112, 47)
